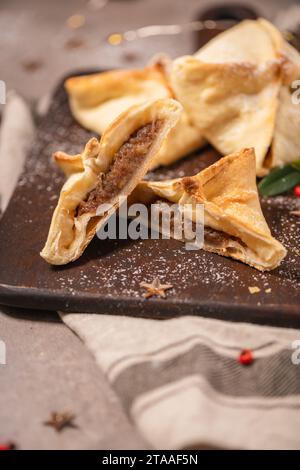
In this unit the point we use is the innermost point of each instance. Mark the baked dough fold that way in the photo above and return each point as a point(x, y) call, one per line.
point(97, 99)
point(105, 171)
point(233, 104)
point(236, 91)
point(234, 225)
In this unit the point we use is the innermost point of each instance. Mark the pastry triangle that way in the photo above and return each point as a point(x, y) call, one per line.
point(235, 89)
point(248, 41)
point(234, 223)
point(233, 104)
point(111, 168)
point(97, 99)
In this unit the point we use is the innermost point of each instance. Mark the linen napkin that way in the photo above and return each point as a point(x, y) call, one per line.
point(187, 382)
point(182, 382)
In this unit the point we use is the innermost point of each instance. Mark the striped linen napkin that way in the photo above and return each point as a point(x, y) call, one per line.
point(184, 381)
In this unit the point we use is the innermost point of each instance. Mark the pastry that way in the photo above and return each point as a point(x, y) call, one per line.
point(233, 104)
point(234, 225)
point(240, 81)
point(286, 140)
point(97, 99)
point(236, 92)
point(111, 168)
point(69, 164)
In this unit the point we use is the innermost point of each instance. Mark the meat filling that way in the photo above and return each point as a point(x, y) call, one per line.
point(213, 237)
point(216, 237)
point(125, 163)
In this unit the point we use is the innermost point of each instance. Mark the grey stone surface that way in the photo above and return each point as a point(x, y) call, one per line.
point(48, 368)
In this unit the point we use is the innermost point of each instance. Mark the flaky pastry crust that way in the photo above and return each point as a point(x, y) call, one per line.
point(73, 228)
point(97, 99)
point(227, 190)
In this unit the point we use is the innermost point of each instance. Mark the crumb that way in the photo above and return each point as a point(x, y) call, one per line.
point(254, 290)
point(296, 213)
point(296, 252)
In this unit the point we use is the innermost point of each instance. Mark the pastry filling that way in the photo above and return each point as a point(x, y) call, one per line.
point(124, 165)
point(214, 238)
point(217, 238)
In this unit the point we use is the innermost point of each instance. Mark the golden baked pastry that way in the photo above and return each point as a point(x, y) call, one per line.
point(235, 90)
point(69, 164)
point(286, 139)
point(234, 225)
point(106, 170)
point(233, 104)
point(97, 99)
point(236, 93)
point(249, 41)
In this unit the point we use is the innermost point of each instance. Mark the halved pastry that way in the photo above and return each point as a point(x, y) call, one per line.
point(97, 99)
point(234, 224)
point(111, 168)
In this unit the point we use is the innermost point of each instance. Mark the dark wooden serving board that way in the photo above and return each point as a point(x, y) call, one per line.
point(106, 279)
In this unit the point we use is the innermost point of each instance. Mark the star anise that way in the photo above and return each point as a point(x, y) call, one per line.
point(155, 288)
point(59, 421)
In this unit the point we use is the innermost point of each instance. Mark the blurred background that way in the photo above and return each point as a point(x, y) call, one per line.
point(43, 40)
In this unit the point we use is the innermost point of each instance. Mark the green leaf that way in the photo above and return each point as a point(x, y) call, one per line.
point(296, 165)
point(281, 185)
point(274, 175)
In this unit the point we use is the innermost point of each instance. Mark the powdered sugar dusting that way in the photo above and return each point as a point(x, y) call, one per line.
point(115, 269)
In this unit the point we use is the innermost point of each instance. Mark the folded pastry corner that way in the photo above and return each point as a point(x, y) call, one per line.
point(97, 99)
point(236, 90)
point(106, 170)
point(234, 225)
point(249, 41)
point(233, 104)
point(69, 164)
